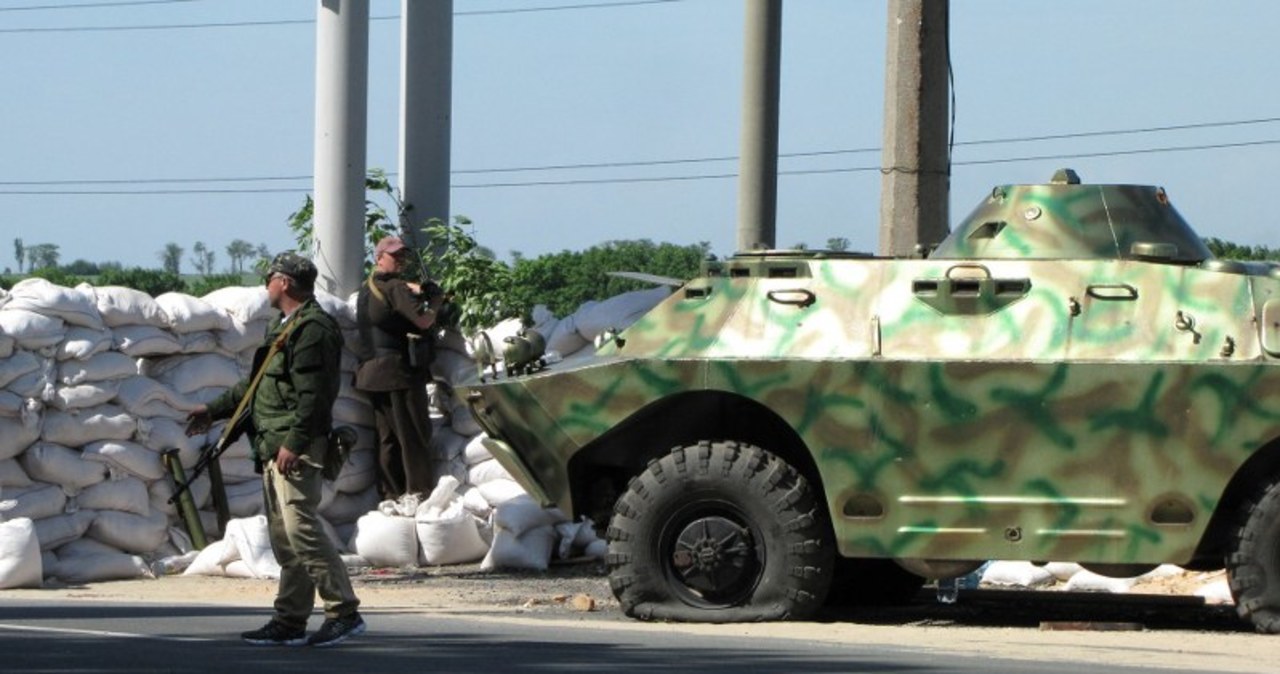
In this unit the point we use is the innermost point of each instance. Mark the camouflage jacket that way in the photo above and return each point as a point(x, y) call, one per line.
point(293, 404)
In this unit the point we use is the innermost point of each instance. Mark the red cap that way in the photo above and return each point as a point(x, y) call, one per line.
point(388, 244)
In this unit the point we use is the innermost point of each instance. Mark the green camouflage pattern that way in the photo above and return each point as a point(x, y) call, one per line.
point(1080, 381)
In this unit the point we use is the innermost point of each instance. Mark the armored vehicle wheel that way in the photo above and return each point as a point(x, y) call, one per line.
point(719, 532)
point(1254, 564)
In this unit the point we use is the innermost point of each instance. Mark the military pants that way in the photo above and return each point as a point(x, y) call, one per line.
point(309, 563)
point(403, 419)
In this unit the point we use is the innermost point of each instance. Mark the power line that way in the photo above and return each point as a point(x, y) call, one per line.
point(603, 181)
point(294, 22)
point(92, 5)
point(692, 160)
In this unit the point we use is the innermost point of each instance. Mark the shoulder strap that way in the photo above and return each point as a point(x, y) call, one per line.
point(242, 407)
point(377, 292)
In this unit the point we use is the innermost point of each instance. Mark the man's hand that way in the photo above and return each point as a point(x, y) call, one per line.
point(286, 461)
point(198, 421)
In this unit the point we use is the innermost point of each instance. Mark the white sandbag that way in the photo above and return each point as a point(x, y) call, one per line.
point(252, 543)
point(16, 435)
point(43, 297)
point(11, 404)
point(487, 471)
point(1216, 593)
point(522, 513)
point(101, 567)
point(243, 304)
point(617, 312)
point(105, 366)
point(452, 367)
point(456, 469)
point(7, 345)
point(36, 502)
point(12, 475)
point(360, 472)
point(58, 530)
point(137, 395)
point(338, 308)
point(145, 341)
point(451, 536)
point(576, 538)
point(37, 385)
point(126, 494)
point(597, 549)
point(20, 363)
point(81, 343)
point(497, 492)
point(132, 533)
point(475, 451)
point(83, 395)
point(210, 560)
point(174, 564)
point(84, 547)
point(386, 540)
point(31, 330)
point(462, 421)
point(192, 314)
point(530, 550)
point(1017, 574)
point(245, 499)
point(405, 506)
point(475, 503)
point(352, 411)
point(202, 341)
point(346, 508)
point(56, 464)
point(1063, 571)
point(241, 336)
point(1088, 581)
point(158, 493)
point(191, 373)
point(76, 428)
point(1162, 571)
point(565, 339)
point(125, 306)
point(20, 561)
point(446, 444)
point(163, 433)
point(238, 469)
point(124, 455)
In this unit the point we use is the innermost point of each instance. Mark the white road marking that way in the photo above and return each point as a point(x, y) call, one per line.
point(98, 633)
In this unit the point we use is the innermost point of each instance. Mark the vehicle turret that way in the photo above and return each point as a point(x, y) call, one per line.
point(1066, 219)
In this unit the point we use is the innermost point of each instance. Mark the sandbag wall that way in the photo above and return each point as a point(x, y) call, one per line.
point(96, 382)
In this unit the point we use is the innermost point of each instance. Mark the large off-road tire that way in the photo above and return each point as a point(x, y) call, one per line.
point(1254, 564)
point(719, 532)
point(872, 582)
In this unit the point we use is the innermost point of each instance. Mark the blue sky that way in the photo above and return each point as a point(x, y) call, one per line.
point(636, 83)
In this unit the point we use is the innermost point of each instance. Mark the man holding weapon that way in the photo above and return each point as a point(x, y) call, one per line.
point(288, 407)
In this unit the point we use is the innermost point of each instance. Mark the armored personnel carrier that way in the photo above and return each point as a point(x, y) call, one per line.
point(1069, 376)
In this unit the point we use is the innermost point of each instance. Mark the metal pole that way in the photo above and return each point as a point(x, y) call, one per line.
point(342, 83)
point(426, 104)
point(758, 167)
point(915, 190)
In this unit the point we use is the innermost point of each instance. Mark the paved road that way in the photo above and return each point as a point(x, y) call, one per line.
point(68, 635)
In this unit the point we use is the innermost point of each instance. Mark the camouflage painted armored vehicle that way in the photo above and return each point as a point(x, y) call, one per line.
point(1069, 376)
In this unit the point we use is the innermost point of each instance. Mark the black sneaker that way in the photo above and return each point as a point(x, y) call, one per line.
point(276, 633)
point(334, 632)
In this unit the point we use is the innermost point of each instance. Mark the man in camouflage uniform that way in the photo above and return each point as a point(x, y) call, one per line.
point(292, 411)
point(389, 310)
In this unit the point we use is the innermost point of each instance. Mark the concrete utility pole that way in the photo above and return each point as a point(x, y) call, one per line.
point(915, 190)
point(426, 104)
point(342, 84)
point(758, 167)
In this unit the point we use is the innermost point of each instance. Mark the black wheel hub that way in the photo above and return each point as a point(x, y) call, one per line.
point(715, 557)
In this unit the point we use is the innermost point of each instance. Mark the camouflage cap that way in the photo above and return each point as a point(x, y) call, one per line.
point(295, 267)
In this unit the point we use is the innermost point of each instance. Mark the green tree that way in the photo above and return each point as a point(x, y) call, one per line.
point(41, 256)
point(203, 260)
point(239, 251)
point(82, 268)
point(19, 253)
point(1227, 250)
point(838, 243)
point(207, 284)
point(171, 258)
